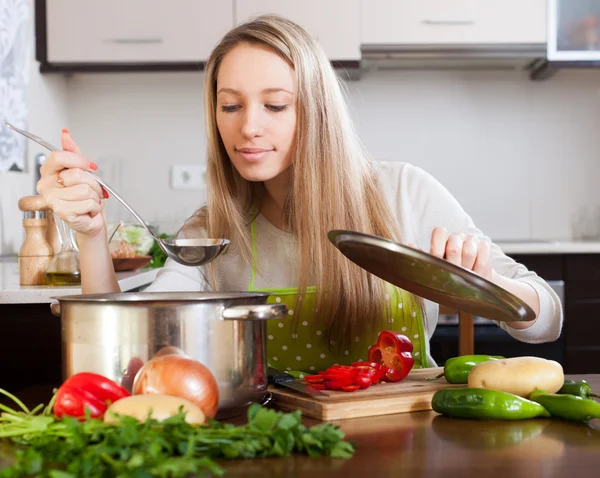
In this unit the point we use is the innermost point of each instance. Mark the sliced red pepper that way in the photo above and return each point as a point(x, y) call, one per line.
point(350, 388)
point(317, 386)
point(394, 351)
point(338, 384)
point(366, 364)
point(314, 378)
point(362, 381)
point(87, 390)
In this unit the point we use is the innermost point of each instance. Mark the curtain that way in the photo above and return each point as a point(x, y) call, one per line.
point(15, 59)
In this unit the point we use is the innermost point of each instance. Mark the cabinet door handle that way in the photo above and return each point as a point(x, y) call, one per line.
point(448, 22)
point(129, 41)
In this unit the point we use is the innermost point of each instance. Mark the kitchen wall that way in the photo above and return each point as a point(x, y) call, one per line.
point(521, 156)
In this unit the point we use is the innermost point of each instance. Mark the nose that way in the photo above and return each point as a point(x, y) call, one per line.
point(252, 125)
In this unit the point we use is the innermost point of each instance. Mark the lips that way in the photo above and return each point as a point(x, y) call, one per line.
point(253, 154)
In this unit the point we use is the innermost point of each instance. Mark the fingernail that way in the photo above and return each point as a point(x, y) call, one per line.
point(65, 131)
point(105, 193)
point(93, 165)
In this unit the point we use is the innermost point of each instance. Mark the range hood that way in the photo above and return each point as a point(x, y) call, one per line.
point(452, 56)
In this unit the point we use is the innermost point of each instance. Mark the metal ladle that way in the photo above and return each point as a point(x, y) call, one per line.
point(189, 252)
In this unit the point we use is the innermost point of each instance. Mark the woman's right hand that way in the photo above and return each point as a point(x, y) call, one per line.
point(74, 196)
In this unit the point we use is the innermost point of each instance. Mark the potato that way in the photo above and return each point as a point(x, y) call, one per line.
point(520, 375)
point(162, 406)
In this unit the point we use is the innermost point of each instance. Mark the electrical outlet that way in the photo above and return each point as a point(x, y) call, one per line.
point(188, 176)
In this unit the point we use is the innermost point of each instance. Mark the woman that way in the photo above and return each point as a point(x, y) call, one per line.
point(284, 167)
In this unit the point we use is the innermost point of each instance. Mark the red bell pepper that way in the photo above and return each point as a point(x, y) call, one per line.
point(393, 351)
point(86, 390)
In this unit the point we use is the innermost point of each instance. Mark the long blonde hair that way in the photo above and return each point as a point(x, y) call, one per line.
point(333, 184)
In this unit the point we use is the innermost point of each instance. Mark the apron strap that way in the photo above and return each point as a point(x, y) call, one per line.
point(254, 255)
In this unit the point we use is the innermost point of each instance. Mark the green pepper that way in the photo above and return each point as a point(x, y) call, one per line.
point(456, 370)
point(579, 389)
point(480, 403)
point(569, 407)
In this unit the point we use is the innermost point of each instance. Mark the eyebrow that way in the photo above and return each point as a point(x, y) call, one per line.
point(265, 91)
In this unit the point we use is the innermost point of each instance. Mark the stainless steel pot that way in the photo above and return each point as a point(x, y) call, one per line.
point(115, 334)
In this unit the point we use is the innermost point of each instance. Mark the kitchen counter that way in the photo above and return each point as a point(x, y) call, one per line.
point(549, 247)
point(425, 444)
point(11, 292)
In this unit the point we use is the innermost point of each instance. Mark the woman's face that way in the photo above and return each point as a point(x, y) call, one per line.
point(256, 112)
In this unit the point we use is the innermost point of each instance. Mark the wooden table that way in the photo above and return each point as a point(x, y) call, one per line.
point(425, 444)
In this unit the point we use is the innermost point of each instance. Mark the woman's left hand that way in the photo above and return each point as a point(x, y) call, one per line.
point(466, 251)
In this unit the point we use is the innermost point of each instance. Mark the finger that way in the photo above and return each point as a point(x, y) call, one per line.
point(454, 248)
point(413, 246)
point(59, 160)
point(69, 211)
point(72, 177)
point(483, 263)
point(46, 183)
point(469, 252)
point(68, 143)
point(439, 237)
point(79, 192)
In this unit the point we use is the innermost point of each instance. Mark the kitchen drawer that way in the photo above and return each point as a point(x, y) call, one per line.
point(582, 328)
point(583, 267)
point(582, 360)
point(547, 266)
point(582, 272)
point(453, 21)
point(134, 31)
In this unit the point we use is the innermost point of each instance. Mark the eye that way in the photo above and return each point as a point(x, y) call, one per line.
point(277, 108)
point(229, 108)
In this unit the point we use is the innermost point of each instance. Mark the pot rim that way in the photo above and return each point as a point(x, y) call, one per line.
point(152, 297)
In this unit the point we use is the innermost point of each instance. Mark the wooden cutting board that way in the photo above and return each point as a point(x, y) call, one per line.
point(413, 394)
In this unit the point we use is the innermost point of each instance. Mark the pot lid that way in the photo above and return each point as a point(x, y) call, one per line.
point(430, 277)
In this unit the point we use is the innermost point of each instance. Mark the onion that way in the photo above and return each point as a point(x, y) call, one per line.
point(182, 377)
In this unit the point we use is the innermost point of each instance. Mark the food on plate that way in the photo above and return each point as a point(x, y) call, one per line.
point(158, 407)
point(134, 235)
point(456, 369)
point(478, 403)
point(87, 391)
point(121, 250)
point(181, 377)
point(519, 375)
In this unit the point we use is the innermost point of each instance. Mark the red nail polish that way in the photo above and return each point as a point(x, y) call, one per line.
point(93, 165)
point(106, 195)
point(65, 130)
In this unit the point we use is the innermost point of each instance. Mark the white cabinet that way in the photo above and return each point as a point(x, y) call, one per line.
point(334, 23)
point(135, 31)
point(413, 22)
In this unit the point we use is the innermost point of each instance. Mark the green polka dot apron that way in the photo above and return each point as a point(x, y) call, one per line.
point(301, 350)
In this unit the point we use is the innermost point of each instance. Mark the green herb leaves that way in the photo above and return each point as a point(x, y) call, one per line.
point(69, 448)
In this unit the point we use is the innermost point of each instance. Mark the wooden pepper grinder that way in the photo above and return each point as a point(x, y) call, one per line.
point(52, 234)
point(35, 253)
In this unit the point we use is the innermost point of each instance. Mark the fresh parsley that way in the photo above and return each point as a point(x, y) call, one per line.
point(50, 448)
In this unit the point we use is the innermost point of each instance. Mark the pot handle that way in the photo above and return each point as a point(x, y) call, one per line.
point(255, 312)
point(55, 309)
